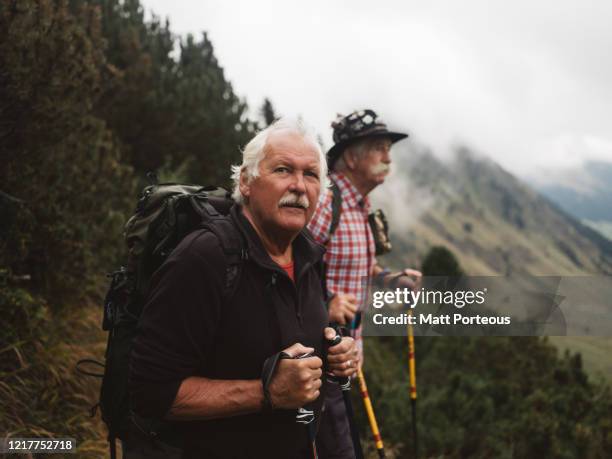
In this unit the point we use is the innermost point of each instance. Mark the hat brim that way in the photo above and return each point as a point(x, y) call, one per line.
point(334, 152)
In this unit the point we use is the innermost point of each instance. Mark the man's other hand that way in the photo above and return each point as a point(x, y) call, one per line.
point(409, 278)
point(343, 358)
point(296, 382)
point(342, 308)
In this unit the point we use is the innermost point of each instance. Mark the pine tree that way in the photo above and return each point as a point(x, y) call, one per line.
point(169, 113)
point(440, 261)
point(57, 156)
point(212, 120)
point(139, 92)
point(267, 112)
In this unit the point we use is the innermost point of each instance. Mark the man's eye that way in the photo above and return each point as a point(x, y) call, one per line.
point(281, 169)
point(311, 174)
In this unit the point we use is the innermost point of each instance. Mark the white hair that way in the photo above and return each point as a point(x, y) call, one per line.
point(254, 152)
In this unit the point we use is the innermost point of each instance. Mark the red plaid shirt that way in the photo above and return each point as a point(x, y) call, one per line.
point(351, 250)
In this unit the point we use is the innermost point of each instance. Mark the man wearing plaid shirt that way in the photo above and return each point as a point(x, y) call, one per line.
point(359, 161)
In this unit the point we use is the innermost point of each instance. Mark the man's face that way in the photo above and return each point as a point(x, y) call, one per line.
point(371, 167)
point(284, 196)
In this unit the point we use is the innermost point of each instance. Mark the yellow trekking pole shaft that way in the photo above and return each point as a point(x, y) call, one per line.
point(413, 389)
point(411, 361)
point(370, 411)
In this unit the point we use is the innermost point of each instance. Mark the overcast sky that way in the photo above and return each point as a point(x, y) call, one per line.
point(528, 83)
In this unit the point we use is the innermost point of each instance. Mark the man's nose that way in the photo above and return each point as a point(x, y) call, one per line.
point(386, 157)
point(297, 184)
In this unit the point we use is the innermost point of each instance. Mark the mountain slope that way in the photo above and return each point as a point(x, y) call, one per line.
point(494, 223)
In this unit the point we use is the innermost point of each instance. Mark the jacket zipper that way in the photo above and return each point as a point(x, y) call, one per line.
point(296, 297)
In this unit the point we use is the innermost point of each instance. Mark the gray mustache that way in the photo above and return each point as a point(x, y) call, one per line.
point(294, 200)
point(380, 167)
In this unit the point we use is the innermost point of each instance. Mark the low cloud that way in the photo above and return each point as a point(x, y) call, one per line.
point(527, 83)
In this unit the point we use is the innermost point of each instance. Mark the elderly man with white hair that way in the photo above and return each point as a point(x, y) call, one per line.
point(242, 373)
point(359, 162)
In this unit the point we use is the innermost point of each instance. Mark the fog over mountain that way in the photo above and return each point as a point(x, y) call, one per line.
point(494, 222)
point(529, 83)
point(586, 192)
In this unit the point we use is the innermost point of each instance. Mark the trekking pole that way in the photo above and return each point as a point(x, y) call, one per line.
point(366, 399)
point(370, 412)
point(413, 390)
point(345, 386)
point(303, 416)
point(307, 417)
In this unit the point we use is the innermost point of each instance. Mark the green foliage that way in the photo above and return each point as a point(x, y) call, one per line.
point(212, 119)
point(440, 261)
point(23, 314)
point(481, 397)
point(16, 229)
point(39, 393)
point(138, 103)
point(167, 111)
point(64, 197)
point(59, 160)
point(484, 397)
point(267, 112)
point(91, 98)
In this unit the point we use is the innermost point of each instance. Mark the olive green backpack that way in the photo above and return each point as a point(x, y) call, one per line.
point(164, 215)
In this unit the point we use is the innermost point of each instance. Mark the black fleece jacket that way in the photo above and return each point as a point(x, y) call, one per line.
point(187, 329)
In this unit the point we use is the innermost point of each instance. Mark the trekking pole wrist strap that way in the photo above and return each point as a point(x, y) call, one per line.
point(267, 372)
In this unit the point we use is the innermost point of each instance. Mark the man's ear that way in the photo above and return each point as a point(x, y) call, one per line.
point(350, 159)
point(245, 186)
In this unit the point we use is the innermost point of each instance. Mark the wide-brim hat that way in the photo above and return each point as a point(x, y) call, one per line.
point(358, 125)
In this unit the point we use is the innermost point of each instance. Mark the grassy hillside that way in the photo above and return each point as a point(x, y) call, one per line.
point(41, 393)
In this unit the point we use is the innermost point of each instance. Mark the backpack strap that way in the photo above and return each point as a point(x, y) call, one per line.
point(234, 248)
point(232, 241)
point(336, 208)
